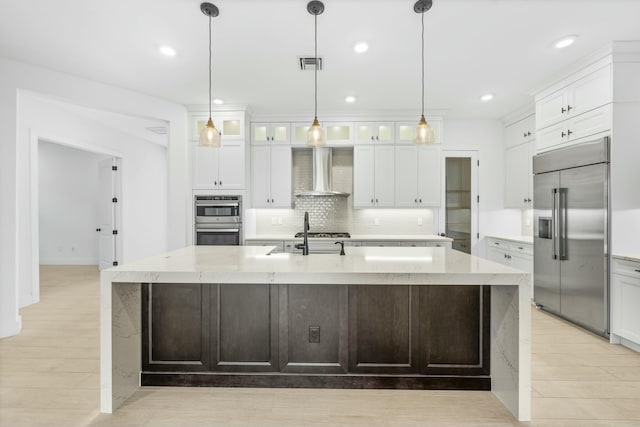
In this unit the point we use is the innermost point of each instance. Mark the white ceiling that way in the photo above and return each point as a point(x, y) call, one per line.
point(472, 47)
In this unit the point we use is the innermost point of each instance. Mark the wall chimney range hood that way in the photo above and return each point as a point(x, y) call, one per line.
point(322, 182)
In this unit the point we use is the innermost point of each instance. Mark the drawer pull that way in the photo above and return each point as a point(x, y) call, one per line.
point(637, 270)
point(520, 247)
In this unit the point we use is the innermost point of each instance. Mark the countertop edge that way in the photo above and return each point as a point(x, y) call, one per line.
point(632, 258)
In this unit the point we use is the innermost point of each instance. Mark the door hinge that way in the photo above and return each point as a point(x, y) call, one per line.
point(114, 168)
point(114, 232)
point(114, 200)
point(115, 263)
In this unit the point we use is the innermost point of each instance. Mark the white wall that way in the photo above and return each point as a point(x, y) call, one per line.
point(68, 202)
point(14, 160)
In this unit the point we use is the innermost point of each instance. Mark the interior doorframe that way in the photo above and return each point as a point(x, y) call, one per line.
point(475, 203)
point(35, 137)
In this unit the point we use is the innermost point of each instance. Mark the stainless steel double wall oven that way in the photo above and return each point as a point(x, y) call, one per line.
point(218, 220)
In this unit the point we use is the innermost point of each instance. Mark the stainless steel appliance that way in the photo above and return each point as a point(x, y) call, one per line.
point(571, 234)
point(218, 220)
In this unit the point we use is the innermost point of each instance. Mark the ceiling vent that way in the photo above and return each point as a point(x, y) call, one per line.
point(308, 63)
point(160, 130)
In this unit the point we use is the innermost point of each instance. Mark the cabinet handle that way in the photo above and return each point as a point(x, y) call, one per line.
point(562, 110)
point(525, 200)
point(563, 134)
point(496, 243)
point(637, 270)
point(377, 139)
point(520, 247)
point(415, 200)
point(268, 201)
point(271, 200)
point(220, 182)
point(372, 137)
point(569, 108)
point(376, 201)
point(505, 255)
point(528, 133)
point(371, 201)
point(524, 135)
point(529, 200)
point(420, 200)
point(569, 132)
point(215, 183)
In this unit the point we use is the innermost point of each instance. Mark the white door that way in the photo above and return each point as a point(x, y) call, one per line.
point(260, 192)
point(517, 177)
point(231, 165)
point(385, 176)
point(429, 184)
point(107, 214)
point(280, 176)
point(407, 176)
point(363, 176)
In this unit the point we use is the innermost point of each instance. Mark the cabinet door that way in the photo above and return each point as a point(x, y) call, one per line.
point(338, 134)
point(260, 193)
point(260, 133)
point(231, 126)
point(280, 133)
point(625, 316)
point(497, 255)
point(517, 170)
point(550, 137)
point(385, 132)
point(591, 91)
point(364, 132)
point(406, 131)
point(231, 165)
point(299, 133)
point(429, 183)
point(205, 167)
point(587, 124)
point(280, 177)
point(384, 176)
point(551, 109)
point(363, 176)
point(406, 176)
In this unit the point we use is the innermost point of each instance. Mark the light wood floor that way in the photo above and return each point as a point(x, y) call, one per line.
point(49, 376)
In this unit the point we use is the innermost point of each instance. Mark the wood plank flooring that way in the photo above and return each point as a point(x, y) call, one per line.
point(49, 376)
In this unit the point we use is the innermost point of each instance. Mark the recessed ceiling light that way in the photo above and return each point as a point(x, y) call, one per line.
point(218, 101)
point(167, 50)
point(565, 41)
point(361, 47)
point(350, 99)
point(486, 97)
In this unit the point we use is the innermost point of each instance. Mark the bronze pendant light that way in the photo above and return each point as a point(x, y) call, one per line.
point(424, 132)
point(210, 136)
point(315, 135)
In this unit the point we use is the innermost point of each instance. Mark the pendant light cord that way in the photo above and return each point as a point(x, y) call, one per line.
point(423, 63)
point(315, 43)
point(209, 65)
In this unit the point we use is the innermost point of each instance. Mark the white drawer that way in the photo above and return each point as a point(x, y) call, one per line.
point(416, 244)
point(626, 268)
point(495, 243)
point(380, 243)
point(523, 248)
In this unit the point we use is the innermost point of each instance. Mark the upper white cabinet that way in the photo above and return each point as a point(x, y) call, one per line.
point(519, 176)
point(229, 124)
point(337, 134)
point(406, 131)
point(520, 132)
point(585, 94)
point(417, 176)
point(270, 133)
point(271, 176)
point(374, 132)
point(373, 176)
point(219, 168)
point(575, 128)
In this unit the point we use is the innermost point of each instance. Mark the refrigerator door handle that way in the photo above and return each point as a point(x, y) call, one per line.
point(562, 223)
point(554, 223)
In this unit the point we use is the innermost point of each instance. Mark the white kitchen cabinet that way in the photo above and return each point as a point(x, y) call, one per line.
point(279, 244)
point(373, 176)
point(374, 132)
point(625, 300)
point(270, 133)
point(520, 132)
point(406, 131)
point(574, 129)
point(574, 97)
point(417, 176)
point(337, 134)
point(219, 168)
point(512, 254)
point(519, 176)
point(229, 124)
point(271, 176)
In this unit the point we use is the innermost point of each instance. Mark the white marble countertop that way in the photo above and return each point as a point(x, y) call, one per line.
point(360, 237)
point(361, 265)
point(627, 257)
point(512, 238)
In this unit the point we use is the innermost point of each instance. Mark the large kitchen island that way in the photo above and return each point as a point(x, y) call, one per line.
point(241, 316)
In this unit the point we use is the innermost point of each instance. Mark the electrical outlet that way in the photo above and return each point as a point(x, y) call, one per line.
point(376, 221)
point(273, 220)
point(279, 220)
point(314, 334)
point(419, 220)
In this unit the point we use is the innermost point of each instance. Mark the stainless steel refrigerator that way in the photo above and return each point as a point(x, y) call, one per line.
point(571, 234)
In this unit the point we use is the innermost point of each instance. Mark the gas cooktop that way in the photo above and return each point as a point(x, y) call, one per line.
point(325, 234)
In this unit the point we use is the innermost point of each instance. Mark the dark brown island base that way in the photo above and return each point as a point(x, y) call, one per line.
point(241, 316)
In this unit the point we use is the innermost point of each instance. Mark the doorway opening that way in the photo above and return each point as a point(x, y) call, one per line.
point(459, 218)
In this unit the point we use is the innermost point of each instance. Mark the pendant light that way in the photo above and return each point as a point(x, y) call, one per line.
point(424, 132)
point(315, 135)
point(210, 136)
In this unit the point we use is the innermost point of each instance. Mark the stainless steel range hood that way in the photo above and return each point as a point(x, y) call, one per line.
point(322, 183)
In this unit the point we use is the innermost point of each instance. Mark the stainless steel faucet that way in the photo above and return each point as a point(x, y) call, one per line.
point(305, 243)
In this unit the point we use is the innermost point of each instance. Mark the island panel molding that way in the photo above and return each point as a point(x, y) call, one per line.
point(509, 336)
